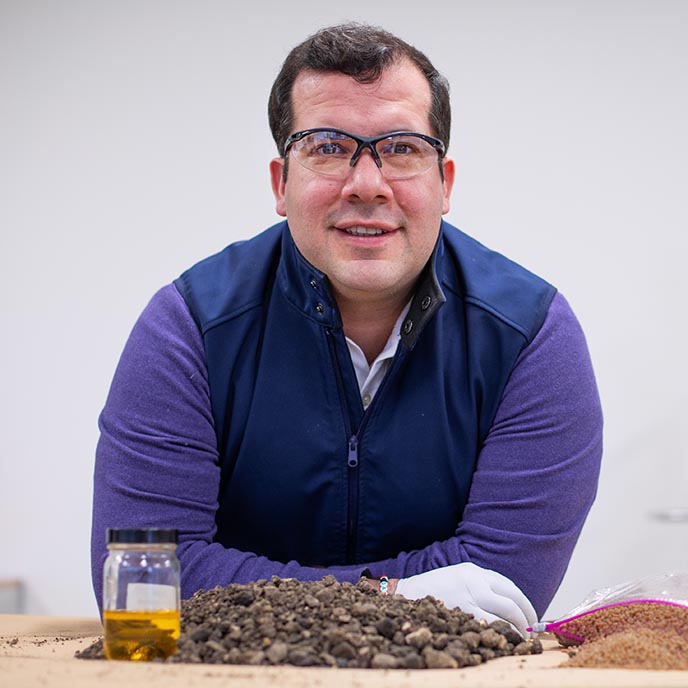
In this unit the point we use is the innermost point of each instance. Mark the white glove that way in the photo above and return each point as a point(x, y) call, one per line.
point(484, 593)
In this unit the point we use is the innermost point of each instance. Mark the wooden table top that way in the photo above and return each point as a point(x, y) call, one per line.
point(39, 651)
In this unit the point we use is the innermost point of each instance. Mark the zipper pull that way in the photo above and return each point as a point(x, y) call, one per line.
point(352, 459)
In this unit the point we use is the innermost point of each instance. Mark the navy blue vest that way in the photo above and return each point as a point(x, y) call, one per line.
point(306, 473)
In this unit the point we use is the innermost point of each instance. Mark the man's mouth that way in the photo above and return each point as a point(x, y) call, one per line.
point(364, 231)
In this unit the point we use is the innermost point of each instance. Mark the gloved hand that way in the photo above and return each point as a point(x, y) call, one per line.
point(484, 593)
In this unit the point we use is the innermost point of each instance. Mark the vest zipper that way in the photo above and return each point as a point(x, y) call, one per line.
point(351, 460)
point(352, 521)
point(352, 457)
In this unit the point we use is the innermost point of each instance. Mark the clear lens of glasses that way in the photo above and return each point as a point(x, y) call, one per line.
point(330, 153)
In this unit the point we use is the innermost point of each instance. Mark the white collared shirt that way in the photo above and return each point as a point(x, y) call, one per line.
point(370, 376)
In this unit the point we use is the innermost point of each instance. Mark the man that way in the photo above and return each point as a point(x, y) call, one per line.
point(361, 390)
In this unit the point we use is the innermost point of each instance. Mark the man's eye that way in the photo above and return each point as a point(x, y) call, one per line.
point(402, 149)
point(329, 148)
point(399, 148)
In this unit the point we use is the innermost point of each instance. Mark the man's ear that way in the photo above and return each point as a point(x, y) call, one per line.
point(277, 179)
point(448, 167)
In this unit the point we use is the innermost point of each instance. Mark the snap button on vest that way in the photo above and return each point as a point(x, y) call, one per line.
point(408, 326)
point(425, 303)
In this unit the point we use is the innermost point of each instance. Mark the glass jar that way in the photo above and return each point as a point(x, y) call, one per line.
point(141, 594)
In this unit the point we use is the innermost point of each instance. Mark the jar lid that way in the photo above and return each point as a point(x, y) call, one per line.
point(142, 536)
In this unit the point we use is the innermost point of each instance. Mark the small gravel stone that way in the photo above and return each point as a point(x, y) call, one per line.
point(420, 638)
point(437, 659)
point(522, 649)
point(384, 661)
point(277, 652)
point(495, 641)
point(386, 627)
point(472, 639)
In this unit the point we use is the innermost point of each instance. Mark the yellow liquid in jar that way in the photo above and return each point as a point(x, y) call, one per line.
point(141, 636)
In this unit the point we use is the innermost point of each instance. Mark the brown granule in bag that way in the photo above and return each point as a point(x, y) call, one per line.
point(641, 648)
point(651, 615)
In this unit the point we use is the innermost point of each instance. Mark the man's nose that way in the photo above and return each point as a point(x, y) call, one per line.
point(365, 179)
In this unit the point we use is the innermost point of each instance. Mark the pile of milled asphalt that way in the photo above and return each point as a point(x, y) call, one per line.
point(327, 623)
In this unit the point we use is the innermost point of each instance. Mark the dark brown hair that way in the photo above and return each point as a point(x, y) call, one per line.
point(362, 52)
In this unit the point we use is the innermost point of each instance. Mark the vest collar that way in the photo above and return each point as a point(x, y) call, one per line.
point(308, 289)
point(427, 299)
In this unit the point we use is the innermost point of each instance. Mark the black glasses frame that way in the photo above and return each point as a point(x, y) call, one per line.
point(363, 142)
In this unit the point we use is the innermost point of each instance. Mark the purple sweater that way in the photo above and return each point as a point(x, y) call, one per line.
point(534, 484)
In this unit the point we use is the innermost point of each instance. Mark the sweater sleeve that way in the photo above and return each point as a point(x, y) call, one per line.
point(537, 472)
point(157, 459)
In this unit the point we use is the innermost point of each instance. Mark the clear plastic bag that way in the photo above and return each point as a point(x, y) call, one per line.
point(655, 602)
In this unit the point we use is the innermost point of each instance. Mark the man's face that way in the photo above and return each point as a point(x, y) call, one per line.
point(334, 221)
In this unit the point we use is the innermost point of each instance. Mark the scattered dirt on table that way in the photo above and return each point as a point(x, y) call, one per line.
point(327, 623)
point(93, 651)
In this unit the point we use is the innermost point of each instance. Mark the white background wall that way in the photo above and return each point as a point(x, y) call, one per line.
point(134, 141)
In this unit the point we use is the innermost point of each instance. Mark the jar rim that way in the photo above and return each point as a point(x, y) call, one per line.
point(135, 536)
